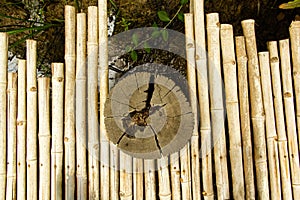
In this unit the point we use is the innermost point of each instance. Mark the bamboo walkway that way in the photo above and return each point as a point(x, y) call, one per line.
point(53, 142)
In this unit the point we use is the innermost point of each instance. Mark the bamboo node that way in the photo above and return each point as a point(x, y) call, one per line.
point(274, 60)
point(33, 89)
point(287, 95)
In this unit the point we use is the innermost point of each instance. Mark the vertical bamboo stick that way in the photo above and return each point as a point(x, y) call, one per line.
point(185, 172)
point(125, 176)
point(3, 86)
point(217, 110)
point(295, 49)
point(287, 88)
point(175, 176)
point(280, 122)
point(69, 128)
point(32, 182)
point(81, 113)
point(245, 116)
point(271, 133)
point(150, 192)
point(164, 179)
point(11, 182)
point(232, 106)
point(138, 179)
point(21, 131)
point(103, 89)
point(57, 131)
point(93, 132)
point(44, 137)
point(257, 111)
point(191, 77)
point(115, 175)
point(202, 78)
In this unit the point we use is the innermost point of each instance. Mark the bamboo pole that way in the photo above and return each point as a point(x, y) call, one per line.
point(11, 182)
point(3, 86)
point(69, 128)
point(57, 131)
point(103, 89)
point(138, 179)
point(21, 131)
point(32, 182)
point(295, 45)
point(81, 108)
point(245, 116)
point(217, 110)
point(44, 137)
point(115, 175)
point(93, 132)
point(280, 122)
point(204, 115)
point(175, 176)
point(271, 134)
point(125, 176)
point(191, 77)
point(150, 192)
point(164, 179)
point(287, 89)
point(257, 111)
point(185, 172)
point(232, 107)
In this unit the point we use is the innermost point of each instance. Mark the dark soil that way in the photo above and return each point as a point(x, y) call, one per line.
point(272, 23)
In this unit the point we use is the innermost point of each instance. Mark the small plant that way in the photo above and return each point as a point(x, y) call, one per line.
point(164, 17)
point(290, 5)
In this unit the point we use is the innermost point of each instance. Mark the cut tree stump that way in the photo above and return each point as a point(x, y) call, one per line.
point(148, 114)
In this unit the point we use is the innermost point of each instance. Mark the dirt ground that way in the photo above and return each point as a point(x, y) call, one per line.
point(271, 22)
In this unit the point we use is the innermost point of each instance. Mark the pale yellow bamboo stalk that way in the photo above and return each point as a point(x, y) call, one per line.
point(288, 96)
point(295, 49)
point(175, 176)
point(164, 192)
point(103, 89)
point(21, 131)
point(216, 101)
point(202, 78)
point(191, 77)
point(138, 179)
point(125, 176)
point(81, 108)
point(3, 87)
point(57, 131)
point(257, 111)
point(93, 132)
point(69, 128)
point(31, 151)
point(11, 182)
point(114, 172)
point(185, 172)
point(44, 137)
point(232, 107)
point(271, 134)
point(150, 184)
point(280, 122)
point(245, 116)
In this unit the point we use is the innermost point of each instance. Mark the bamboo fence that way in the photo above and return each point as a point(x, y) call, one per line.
point(245, 140)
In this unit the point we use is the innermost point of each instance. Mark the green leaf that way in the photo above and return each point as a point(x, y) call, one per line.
point(183, 2)
point(155, 34)
point(181, 16)
point(165, 35)
point(128, 49)
point(133, 55)
point(290, 5)
point(135, 39)
point(163, 16)
point(147, 47)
